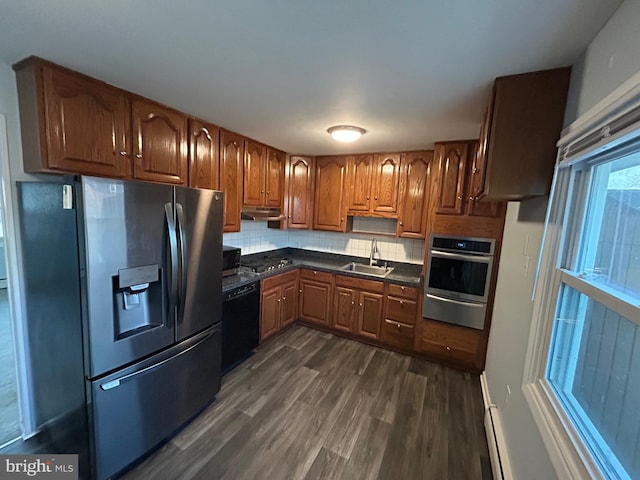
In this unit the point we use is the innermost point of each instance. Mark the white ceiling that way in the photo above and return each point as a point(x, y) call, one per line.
point(282, 71)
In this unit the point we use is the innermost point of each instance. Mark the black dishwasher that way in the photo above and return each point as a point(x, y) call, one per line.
point(240, 324)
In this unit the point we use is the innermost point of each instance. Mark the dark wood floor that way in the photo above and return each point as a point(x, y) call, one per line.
point(309, 405)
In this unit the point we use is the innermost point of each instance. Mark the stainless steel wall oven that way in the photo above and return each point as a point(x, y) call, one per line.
point(458, 278)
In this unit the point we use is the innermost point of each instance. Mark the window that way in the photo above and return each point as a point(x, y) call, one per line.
point(582, 378)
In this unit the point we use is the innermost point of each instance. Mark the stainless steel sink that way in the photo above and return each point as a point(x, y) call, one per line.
point(367, 269)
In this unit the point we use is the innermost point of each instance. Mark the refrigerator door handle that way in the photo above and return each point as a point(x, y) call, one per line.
point(125, 378)
point(172, 281)
point(182, 291)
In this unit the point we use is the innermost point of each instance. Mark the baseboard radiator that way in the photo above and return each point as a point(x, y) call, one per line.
point(495, 437)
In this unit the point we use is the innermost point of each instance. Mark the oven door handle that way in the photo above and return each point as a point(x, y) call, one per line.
point(457, 302)
point(461, 256)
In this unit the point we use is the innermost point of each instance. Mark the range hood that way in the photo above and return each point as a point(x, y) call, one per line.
point(265, 214)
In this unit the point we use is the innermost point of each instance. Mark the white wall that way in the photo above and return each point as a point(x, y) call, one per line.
point(610, 60)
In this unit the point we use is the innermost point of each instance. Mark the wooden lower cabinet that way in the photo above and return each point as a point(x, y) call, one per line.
point(369, 315)
point(344, 309)
point(400, 311)
point(358, 306)
point(454, 344)
point(278, 303)
point(315, 296)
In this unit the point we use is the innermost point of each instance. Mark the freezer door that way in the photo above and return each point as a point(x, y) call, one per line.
point(135, 409)
point(128, 277)
point(199, 223)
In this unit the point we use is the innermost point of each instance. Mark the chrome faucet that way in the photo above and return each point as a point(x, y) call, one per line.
point(374, 250)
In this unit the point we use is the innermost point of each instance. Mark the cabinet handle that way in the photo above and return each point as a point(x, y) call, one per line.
point(138, 155)
point(123, 153)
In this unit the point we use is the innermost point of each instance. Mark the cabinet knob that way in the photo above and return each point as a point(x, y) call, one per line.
point(315, 273)
point(398, 325)
point(403, 288)
point(278, 300)
point(138, 155)
point(459, 197)
point(448, 348)
point(375, 198)
point(284, 298)
point(401, 302)
point(367, 198)
point(471, 198)
point(341, 220)
point(289, 216)
point(360, 304)
point(475, 170)
point(401, 223)
point(300, 291)
point(267, 192)
point(261, 191)
point(353, 303)
point(123, 153)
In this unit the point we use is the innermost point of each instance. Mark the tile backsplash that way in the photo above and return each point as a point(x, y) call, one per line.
point(255, 237)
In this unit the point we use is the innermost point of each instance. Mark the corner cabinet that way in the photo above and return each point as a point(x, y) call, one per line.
point(415, 171)
point(71, 123)
point(231, 162)
point(518, 137)
point(160, 143)
point(330, 212)
point(204, 163)
point(452, 180)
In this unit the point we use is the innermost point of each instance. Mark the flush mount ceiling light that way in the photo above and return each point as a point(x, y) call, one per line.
point(346, 133)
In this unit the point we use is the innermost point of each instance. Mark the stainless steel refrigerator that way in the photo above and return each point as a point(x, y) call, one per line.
point(123, 299)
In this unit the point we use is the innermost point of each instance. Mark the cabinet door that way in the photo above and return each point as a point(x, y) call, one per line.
point(255, 157)
point(475, 207)
point(315, 301)
point(231, 160)
point(270, 310)
point(160, 143)
point(369, 314)
point(204, 166)
point(385, 184)
point(415, 172)
point(289, 313)
point(452, 158)
point(344, 309)
point(329, 205)
point(361, 169)
point(274, 177)
point(300, 192)
point(88, 126)
point(479, 164)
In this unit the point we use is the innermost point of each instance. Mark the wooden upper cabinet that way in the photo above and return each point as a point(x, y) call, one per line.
point(452, 159)
point(160, 143)
point(231, 162)
point(518, 138)
point(385, 184)
point(204, 164)
point(274, 177)
point(72, 123)
point(476, 207)
point(479, 158)
point(414, 190)
point(300, 192)
point(361, 168)
point(254, 172)
point(329, 204)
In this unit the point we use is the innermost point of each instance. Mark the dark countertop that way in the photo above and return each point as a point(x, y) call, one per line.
point(407, 274)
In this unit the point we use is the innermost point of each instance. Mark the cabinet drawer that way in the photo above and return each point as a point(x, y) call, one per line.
point(450, 341)
point(402, 291)
point(359, 283)
point(396, 334)
point(276, 280)
point(401, 310)
point(315, 275)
